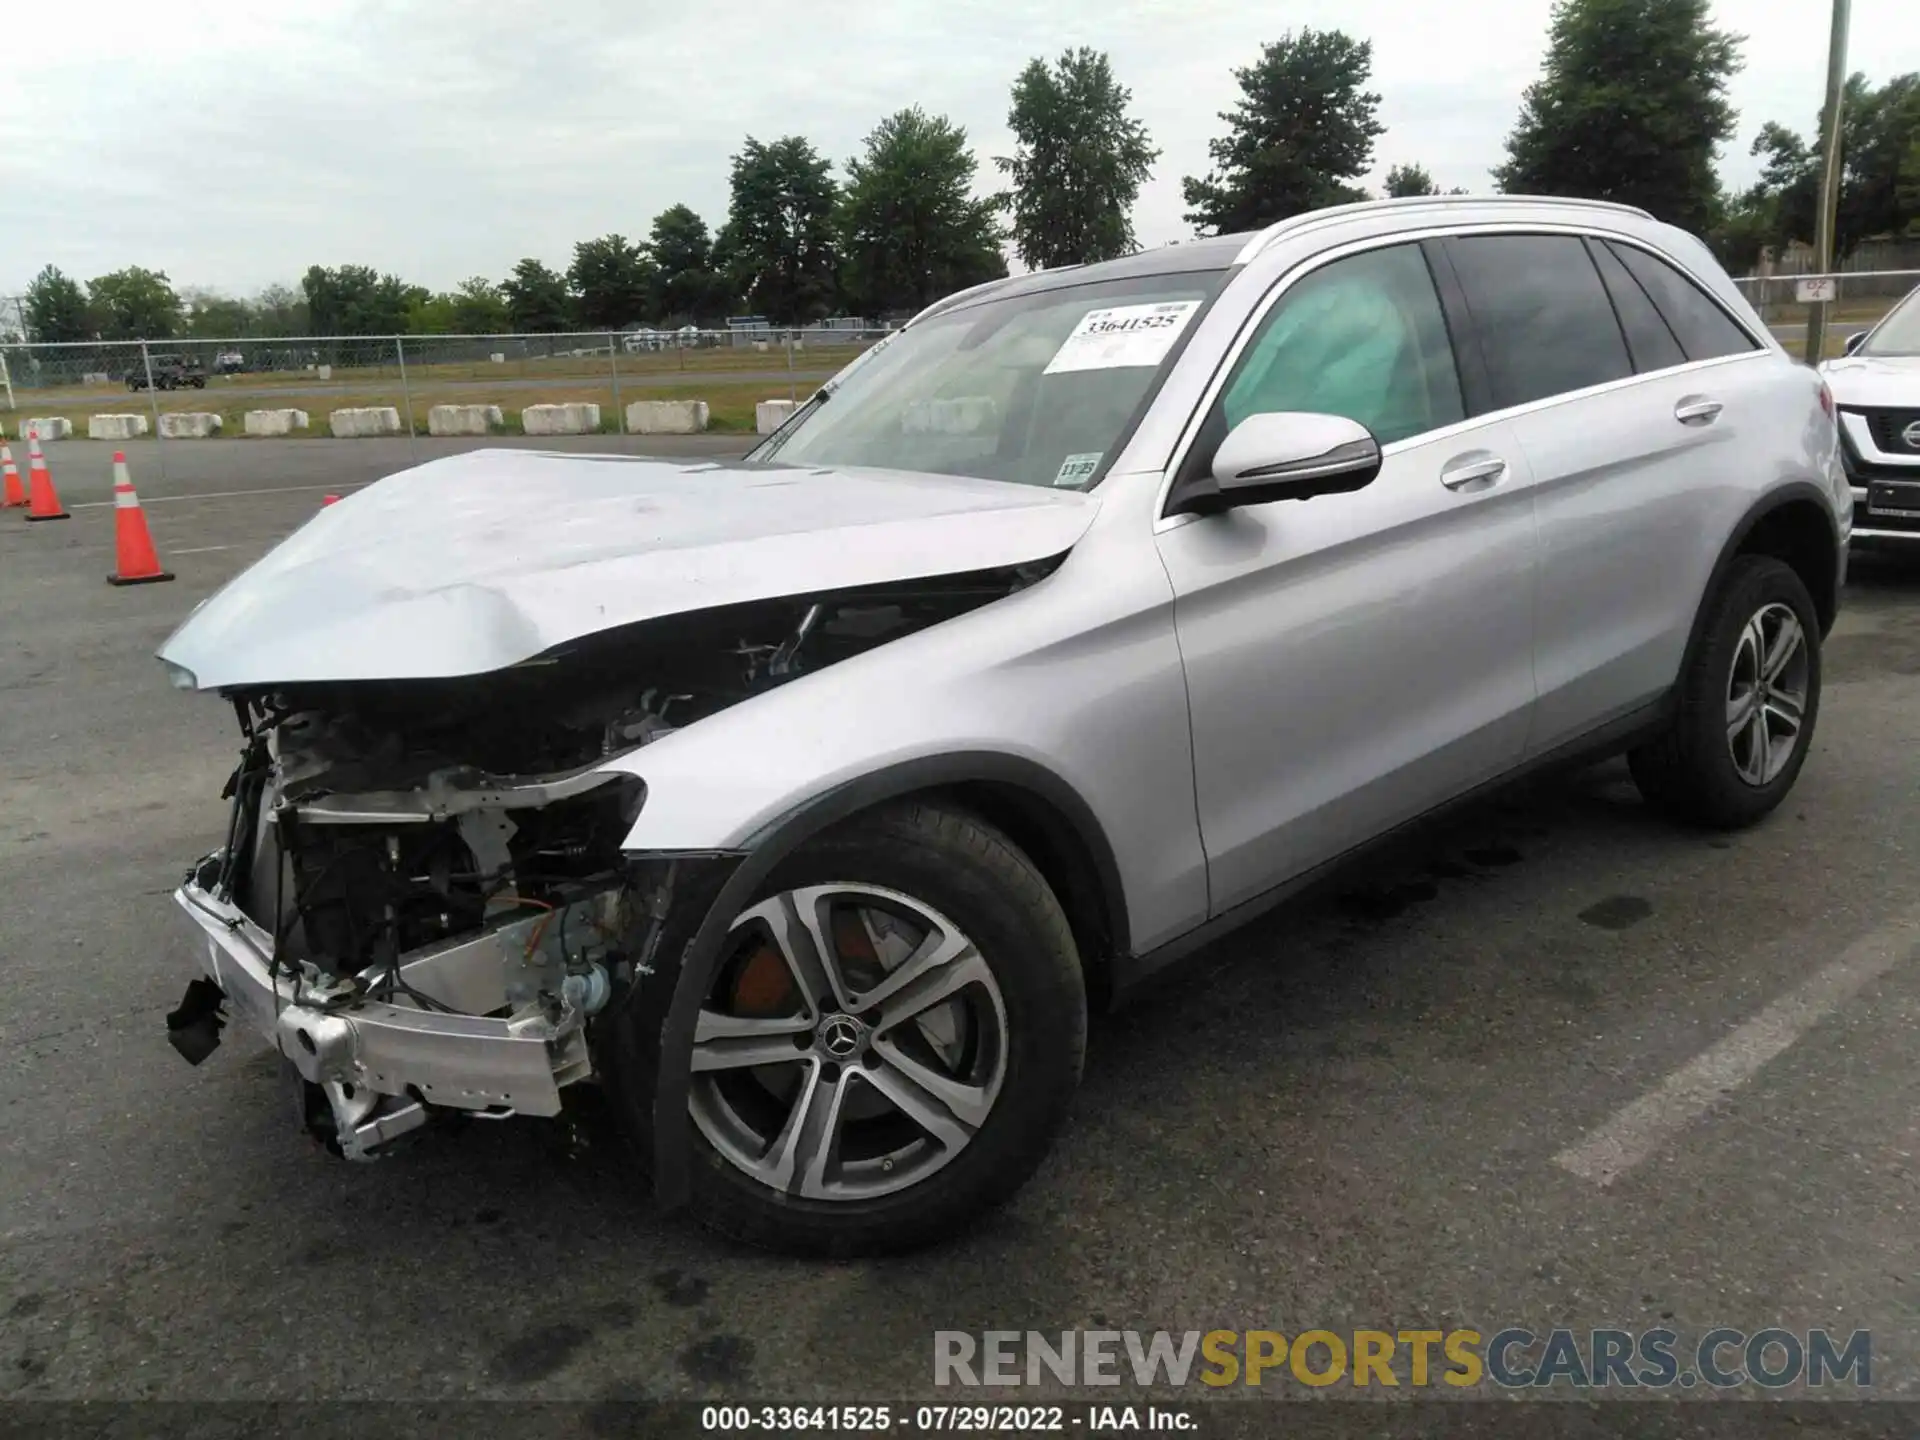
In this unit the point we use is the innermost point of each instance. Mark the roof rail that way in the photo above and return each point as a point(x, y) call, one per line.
point(948, 301)
point(1294, 223)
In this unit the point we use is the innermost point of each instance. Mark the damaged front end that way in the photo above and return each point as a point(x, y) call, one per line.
point(423, 902)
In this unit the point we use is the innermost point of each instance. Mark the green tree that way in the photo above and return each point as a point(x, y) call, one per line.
point(281, 310)
point(1303, 129)
point(1078, 164)
point(537, 299)
point(55, 310)
point(359, 300)
point(1631, 106)
point(1879, 167)
point(1741, 228)
point(612, 280)
point(478, 307)
point(777, 247)
point(686, 286)
point(1404, 180)
point(134, 304)
point(430, 314)
point(212, 316)
point(911, 230)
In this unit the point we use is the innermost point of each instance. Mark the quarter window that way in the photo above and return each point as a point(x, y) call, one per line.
point(1704, 330)
point(1363, 338)
point(1648, 337)
point(1543, 318)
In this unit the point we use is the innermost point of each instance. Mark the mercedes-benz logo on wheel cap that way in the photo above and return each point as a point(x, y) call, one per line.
point(840, 1036)
point(1910, 436)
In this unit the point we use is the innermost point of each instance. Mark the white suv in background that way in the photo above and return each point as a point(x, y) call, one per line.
point(1877, 389)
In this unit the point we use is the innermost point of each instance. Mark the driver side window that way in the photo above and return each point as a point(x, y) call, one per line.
point(1363, 338)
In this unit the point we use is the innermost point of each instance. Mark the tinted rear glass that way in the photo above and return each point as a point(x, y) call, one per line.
point(1648, 337)
point(1544, 320)
point(1704, 330)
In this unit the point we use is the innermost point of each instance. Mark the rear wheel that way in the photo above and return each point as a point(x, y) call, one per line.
point(1747, 703)
point(891, 1040)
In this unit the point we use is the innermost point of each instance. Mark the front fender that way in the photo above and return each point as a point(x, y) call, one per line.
point(1073, 692)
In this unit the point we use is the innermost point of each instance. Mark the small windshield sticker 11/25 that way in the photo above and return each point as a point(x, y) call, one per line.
point(1122, 335)
point(1078, 469)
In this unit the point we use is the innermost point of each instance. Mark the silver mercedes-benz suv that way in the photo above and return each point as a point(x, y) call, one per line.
point(807, 804)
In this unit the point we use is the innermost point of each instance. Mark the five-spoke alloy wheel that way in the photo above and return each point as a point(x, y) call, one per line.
point(1745, 705)
point(856, 1043)
point(890, 1040)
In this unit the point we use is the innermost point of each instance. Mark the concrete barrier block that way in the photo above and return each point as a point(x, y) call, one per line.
point(116, 427)
point(770, 415)
point(51, 427)
point(666, 417)
point(190, 425)
point(274, 422)
point(577, 418)
point(498, 357)
point(463, 419)
point(360, 422)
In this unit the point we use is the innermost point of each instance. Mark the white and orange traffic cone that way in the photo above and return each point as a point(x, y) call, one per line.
point(43, 502)
point(134, 560)
point(16, 496)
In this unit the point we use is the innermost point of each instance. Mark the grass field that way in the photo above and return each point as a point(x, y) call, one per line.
point(730, 403)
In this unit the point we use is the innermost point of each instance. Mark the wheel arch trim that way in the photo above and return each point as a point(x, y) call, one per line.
point(662, 1016)
point(1793, 493)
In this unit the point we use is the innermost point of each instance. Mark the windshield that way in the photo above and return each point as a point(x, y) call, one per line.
point(1899, 333)
point(1037, 388)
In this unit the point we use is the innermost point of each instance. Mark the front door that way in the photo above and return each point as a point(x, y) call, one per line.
point(1354, 660)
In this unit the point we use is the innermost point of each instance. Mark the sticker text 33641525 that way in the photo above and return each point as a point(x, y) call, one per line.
point(1123, 335)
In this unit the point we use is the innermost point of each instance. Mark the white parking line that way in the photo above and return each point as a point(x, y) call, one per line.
point(200, 550)
point(219, 495)
point(1642, 1127)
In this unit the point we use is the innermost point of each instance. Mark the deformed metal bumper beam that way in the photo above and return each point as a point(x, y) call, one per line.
point(465, 1062)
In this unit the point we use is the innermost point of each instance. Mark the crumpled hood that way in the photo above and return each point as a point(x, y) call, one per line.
point(1875, 381)
point(482, 560)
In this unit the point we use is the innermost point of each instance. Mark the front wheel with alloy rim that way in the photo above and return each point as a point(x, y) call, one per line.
point(890, 1041)
point(1746, 705)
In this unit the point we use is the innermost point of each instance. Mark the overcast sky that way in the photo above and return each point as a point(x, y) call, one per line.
point(234, 144)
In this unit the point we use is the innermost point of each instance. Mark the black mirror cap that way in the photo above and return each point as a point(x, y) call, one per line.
point(1854, 341)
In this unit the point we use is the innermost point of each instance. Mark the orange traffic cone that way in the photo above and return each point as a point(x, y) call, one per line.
point(16, 496)
point(42, 502)
point(134, 561)
point(329, 500)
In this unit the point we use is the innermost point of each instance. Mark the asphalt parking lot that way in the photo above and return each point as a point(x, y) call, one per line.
point(1381, 1108)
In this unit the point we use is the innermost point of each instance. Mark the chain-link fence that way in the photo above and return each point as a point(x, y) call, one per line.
point(123, 389)
point(1855, 301)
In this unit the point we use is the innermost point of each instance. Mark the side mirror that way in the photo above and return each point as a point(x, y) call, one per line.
point(1290, 455)
point(1854, 342)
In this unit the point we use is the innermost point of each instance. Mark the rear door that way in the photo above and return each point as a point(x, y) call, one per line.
point(1623, 383)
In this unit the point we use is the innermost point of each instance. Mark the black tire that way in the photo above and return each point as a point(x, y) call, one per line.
point(976, 877)
point(199, 382)
point(1688, 772)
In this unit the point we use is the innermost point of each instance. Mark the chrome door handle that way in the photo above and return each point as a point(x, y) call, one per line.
point(1696, 409)
point(1473, 472)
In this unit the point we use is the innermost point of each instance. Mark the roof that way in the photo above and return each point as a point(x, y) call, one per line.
point(1221, 252)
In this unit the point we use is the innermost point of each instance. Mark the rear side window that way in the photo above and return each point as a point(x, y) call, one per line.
point(1652, 343)
point(1704, 330)
point(1543, 318)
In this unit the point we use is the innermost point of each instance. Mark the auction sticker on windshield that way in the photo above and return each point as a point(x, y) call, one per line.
point(1122, 335)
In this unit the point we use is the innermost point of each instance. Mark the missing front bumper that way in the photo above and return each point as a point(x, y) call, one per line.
point(355, 1053)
